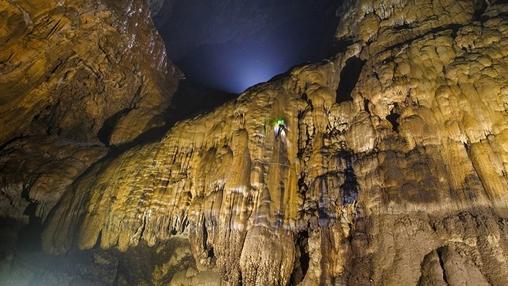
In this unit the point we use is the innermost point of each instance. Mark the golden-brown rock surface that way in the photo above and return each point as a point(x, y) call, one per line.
point(392, 170)
point(400, 182)
point(73, 74)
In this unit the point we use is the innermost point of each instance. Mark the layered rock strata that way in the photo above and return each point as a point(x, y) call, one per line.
point(392, 170)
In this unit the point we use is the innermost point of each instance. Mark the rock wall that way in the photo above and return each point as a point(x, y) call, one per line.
point(75, 77)
point(392, 170)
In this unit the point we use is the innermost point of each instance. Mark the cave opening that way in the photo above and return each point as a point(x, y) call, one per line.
point(302, 262)
point(349, 76)
point(350, 186)
point(393, 118)
point(206, 246)
point(231, 46)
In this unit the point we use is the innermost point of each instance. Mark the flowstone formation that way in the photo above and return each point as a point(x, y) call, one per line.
point(74, 78)
point(391, 169)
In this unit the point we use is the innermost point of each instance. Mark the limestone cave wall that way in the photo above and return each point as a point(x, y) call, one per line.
point(75, 78)
point(392, 170)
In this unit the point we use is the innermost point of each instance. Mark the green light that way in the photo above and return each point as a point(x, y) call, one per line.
point(280, 122)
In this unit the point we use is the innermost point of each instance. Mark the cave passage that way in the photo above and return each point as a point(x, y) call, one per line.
point(232, 45)
point(348, 78)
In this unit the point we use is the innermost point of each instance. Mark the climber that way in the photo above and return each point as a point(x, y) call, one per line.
point(280, 128)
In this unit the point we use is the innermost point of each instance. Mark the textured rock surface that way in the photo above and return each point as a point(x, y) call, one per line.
point(75, 77)
point(72, 75)
point(396, 177)
point(72, 67)
point(392, 170)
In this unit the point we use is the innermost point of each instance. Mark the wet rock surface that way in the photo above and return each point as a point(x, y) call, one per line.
point(391, 173)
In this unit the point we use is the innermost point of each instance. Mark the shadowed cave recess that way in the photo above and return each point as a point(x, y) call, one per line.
point(238, 142)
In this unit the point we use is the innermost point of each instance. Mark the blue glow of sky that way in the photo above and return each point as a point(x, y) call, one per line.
point(235, 46)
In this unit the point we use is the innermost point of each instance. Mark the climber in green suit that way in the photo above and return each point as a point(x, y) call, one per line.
point(280, 127)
